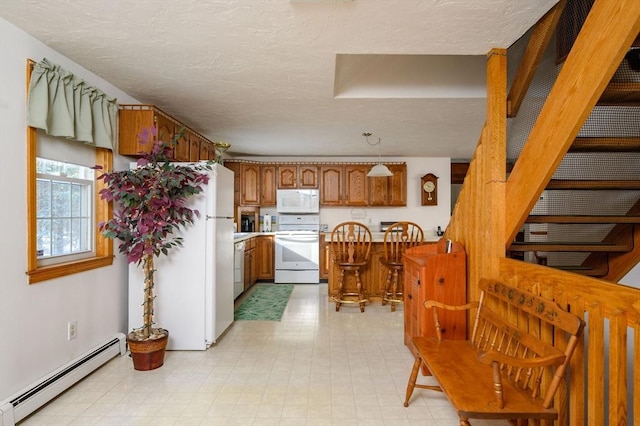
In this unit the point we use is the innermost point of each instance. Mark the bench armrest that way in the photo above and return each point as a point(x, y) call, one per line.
point(434, 304)
point(488, 357)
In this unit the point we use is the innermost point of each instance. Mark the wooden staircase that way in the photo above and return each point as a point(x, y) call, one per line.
point(588, 216)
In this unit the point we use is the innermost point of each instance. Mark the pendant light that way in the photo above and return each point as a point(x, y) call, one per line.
point(379, 170)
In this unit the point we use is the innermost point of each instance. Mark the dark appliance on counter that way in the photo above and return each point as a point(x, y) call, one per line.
point(247, 223)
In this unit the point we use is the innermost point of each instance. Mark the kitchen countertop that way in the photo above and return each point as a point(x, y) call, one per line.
point(378, 237)
point(242, 236)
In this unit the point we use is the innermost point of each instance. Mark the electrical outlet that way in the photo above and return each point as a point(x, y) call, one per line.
point(72, 330)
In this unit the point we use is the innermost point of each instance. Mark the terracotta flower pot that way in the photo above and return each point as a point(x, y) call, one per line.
point(148, 354)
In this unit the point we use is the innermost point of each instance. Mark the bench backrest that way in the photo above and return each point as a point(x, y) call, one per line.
point(519, 324)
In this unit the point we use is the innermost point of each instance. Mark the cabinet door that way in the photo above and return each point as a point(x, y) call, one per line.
point(250, 185)
point(268, 185)
point(287, 177)
point(264, 257)
point(331, 185)
point(166, 128)
point(389, 191)
point(356, 190)
point(236, 169)
point(325, 257)
point(308, 176)
point(247, 269)
point(130, 125)
point(194, 147)
point(378, 191)
point(397, 185)
point(181, 150)
point(411, 303)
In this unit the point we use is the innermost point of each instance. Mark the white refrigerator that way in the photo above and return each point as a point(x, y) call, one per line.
point(194, 283)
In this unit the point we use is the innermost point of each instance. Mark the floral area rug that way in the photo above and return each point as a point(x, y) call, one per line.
point(265, 303)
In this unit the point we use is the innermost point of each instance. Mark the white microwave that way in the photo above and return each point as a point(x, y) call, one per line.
point(298, 201)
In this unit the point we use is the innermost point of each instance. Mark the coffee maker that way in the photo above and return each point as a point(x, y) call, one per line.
point(247, 223)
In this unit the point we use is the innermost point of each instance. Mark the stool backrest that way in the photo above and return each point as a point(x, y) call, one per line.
point(399, 237)
point(351, 242)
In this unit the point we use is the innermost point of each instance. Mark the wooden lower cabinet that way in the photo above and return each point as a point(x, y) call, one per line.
point(325, 257)
point(250, 276)
point(373, 276)
point(432, 274)
point(264, 257)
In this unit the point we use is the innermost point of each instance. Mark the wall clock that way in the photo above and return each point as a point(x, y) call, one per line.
point(429, 189)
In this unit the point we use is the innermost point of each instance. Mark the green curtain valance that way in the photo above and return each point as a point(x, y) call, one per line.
point(63, 105)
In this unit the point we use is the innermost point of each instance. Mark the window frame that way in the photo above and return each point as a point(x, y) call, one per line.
point(103, 212)
point(87, 204)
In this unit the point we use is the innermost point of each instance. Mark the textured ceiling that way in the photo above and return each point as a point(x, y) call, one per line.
point(262, 74)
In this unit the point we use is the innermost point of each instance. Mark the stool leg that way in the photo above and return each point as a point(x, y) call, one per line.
point(394, 290)
point(340, 290)
point(360, 292)
point(385, 294)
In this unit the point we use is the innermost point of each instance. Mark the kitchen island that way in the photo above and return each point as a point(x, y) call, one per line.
point(374, 275)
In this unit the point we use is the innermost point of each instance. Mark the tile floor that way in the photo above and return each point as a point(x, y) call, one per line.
point(315, 367)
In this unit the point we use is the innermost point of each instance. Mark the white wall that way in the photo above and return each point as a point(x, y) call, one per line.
point(428, 217)
point(33, 318)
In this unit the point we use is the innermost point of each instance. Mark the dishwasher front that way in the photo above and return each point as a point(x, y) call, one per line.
point(238, 269)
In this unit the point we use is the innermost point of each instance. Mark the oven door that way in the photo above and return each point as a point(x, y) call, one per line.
point(297, 251)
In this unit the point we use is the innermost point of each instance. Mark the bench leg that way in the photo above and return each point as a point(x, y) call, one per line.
point(412, 380)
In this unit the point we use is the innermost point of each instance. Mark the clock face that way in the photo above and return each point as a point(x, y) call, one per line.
point(429, 186)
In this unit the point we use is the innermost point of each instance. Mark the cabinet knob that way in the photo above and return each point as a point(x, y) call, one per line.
point(441, 280)
point(410, 297)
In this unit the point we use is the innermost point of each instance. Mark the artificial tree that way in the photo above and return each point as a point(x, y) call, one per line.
point(149, 206)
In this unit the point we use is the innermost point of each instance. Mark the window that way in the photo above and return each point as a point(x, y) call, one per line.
point(64, 208)
point(64, 211)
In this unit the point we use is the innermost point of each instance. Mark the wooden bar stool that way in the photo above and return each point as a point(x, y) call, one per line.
point(397, 239)
point(350, 248)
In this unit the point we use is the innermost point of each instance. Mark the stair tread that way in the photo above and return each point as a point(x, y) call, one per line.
point(606, 144)
point(582, 219)
point(561, 246)
point(621, 94)
point(593, 184)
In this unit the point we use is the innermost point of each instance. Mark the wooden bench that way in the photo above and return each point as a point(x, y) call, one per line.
point(505, 370)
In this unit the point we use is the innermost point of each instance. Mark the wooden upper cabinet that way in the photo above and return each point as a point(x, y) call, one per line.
point(236, 169)
point(268, 185)
point(389, 191)
point(181, 150)
point(291, 176)
point(194, 147)
point(250, 185)
point(134, 119)
point(287, 177)
point(308, 176)
point(356, 189)
point(132, 123)
point(331, 185)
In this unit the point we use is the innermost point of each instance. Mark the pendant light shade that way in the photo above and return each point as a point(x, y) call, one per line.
point(379, 170)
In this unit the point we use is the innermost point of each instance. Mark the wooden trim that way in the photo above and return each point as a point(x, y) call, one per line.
point(580, 84)
point(534, 52)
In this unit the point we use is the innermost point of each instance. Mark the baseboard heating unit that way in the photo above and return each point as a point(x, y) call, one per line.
point(29, 399)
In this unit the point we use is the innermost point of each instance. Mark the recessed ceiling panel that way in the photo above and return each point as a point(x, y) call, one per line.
point(410, 76)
